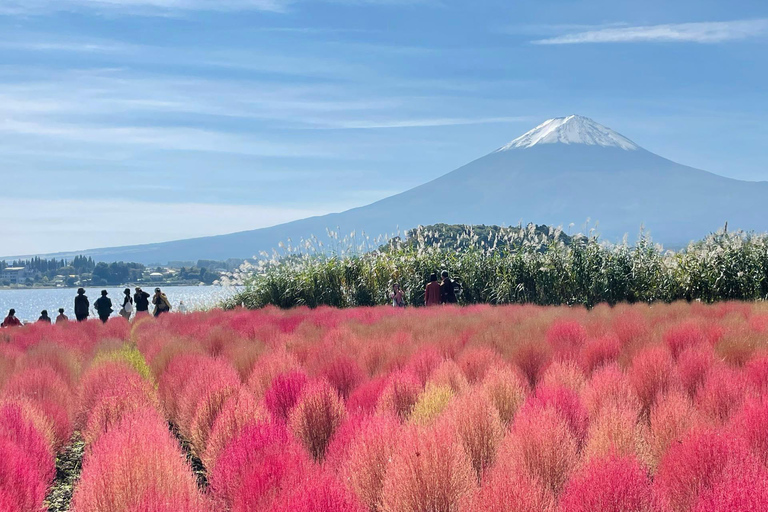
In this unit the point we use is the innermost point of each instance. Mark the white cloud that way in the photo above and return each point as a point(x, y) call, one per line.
point(708, 32)
point(37, 226)
point(415, 123)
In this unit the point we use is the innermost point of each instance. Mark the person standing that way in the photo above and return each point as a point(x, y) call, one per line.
point(11, 320)
point(62, 318)
point(103, 306)
point(447, 290)
point(44, 318)
point(398, 301)
point(141, 301)
point(82, 306)
point(161, 303)
point(432, 292)
point(182, 307)
point(127, 308)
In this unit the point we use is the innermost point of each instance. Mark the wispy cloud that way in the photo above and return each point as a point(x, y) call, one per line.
point(707, 32)
point(415, 123)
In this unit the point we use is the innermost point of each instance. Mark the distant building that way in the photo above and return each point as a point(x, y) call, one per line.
point(14, 275)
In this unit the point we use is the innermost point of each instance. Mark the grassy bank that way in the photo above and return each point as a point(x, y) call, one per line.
point(724, 266)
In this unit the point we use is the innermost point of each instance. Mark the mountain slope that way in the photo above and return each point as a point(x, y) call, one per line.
point(566, 170)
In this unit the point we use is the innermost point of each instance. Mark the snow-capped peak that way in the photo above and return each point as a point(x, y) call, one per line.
point(572, 130)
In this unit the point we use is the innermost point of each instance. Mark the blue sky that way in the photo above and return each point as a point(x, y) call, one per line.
point(130, 121)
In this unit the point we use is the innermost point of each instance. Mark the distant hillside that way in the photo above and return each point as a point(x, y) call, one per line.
point(454, 237)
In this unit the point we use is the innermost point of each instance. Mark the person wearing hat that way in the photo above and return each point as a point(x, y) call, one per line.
point(82, 306)
point(103, 306)
point(141, 301)
point(62, 318)
point(127, 308)
point(161, 303)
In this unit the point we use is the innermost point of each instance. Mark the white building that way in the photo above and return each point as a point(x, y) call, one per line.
point(14, 275)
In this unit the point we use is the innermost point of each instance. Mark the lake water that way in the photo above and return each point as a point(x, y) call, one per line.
point(29, 303)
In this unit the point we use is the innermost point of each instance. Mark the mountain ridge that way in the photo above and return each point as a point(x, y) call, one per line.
point(565, 171)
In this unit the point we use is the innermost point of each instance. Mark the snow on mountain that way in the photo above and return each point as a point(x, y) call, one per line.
point(572, 130)
point(564, 171)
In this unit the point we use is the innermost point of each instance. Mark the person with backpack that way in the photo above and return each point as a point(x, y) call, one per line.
point(432, 292)
point(103, 306)
point(44, 318)
point(141, 302)
point(127, 308)
point(82, 306)
point(447, 290)
point(11, 320)
point(162, 305)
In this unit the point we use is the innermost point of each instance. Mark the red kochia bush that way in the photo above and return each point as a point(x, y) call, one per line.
point(368, 457)
point(692, 366)
point(366, 396)
point(683, 336)
point(282, 396)
point(721, 392)
point(17, 427)
point(751, 425)
point(651, 373)
point(598, 352)
point(742, 486)
point(429, 471)
point(566, 403)
point(316, 417)
point(541, 446)
point(510, 492)
point(612, 484)
point(255, 466)
point(238, 410)
point(566, 337)
point(692, 466)
point(22, 484)
point(322, 494)
point(137, 463)
point(344, 374)
point(400, 395)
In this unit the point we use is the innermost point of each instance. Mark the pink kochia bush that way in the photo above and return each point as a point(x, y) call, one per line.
point(613, 484)
point(429, 471)
point(628, 408)
point(256, 465)
point(137, 464)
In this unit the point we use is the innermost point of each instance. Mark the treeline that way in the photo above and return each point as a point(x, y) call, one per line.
point(79, 263)
point(724, 266)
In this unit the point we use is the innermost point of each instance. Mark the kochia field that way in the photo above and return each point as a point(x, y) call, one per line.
point(519, 408)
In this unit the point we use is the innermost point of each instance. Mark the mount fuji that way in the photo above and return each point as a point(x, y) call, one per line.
point(565, 171)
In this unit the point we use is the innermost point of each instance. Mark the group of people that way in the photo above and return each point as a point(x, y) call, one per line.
point(435, 294)
point(139, 303)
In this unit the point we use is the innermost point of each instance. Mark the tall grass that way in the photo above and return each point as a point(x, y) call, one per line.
point(723, 266)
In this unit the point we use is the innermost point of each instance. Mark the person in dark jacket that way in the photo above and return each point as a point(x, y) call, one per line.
point(432, 292)
point(162, 305)
point(103, 306)
point(141, 301)
point(447, 291)
point(44, 318)
point(82, 306)
point(11, 320)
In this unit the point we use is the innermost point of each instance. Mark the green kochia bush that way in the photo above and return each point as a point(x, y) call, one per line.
point(724, 266)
